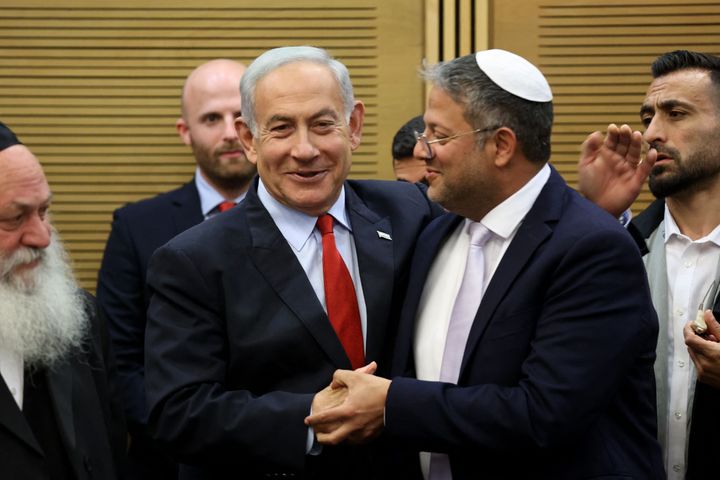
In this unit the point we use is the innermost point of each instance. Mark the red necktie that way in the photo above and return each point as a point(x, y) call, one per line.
point(340, 297)
point(225, 206)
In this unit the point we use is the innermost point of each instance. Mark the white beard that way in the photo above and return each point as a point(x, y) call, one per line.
point(42, 314)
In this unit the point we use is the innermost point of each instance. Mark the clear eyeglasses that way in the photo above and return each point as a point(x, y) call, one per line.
point(422, 139)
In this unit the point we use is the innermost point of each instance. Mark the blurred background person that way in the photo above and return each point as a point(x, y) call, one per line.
point(407, 167)
point(210, 103)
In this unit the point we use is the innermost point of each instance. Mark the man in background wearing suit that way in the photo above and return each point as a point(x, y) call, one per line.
point(210, 104)
point(58, 416)
point(253, 310)
point(529, 331)
point(679, 234)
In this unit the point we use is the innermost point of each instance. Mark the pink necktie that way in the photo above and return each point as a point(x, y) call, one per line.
point(340, 297)
point(466, 306)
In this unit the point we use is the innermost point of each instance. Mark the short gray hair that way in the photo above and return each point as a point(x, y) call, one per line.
point(277, 57)
point(486, 104)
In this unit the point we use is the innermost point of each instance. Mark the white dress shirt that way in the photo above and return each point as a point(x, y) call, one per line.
point(209, 197)
point(691, 268)
point(306, 243)
point(445, 276)
point(11, 369)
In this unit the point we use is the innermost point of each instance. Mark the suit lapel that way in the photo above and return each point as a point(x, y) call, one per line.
point(13, 420)
point(275, 261)
point(374, 246)
point(534, 230)
point(187, 212)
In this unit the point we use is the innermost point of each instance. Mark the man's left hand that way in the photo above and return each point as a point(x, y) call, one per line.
point(360, 416)
point(705, 350)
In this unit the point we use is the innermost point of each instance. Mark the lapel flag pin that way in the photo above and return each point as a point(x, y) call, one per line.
point(384, 235)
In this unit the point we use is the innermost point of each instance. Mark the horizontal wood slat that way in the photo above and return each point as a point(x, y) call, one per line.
point(597, 56)
point(93, 88)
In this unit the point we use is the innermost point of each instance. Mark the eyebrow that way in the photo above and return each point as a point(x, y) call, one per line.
point(285, 118)
point(25, 206)
point(666, 105)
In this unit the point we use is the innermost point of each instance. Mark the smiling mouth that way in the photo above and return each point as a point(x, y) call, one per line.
point(309, 175)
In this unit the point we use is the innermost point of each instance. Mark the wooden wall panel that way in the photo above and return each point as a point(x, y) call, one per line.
point(597, 56)
point(93, 88)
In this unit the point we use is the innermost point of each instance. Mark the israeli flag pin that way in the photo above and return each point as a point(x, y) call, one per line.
point(384, 235)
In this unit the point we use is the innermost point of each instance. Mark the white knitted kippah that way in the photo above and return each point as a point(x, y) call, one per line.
point(514, 74)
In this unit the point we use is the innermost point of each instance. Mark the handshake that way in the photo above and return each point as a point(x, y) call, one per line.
point(351, 408)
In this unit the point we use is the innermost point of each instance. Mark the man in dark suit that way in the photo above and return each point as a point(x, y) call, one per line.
point(59, 418)
point(528, 326)
point(238, 339)
point(210, 104)
point(679, 234)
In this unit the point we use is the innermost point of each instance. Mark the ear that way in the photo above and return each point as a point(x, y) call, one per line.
point(505, 144)
point(357, 117)
point(246, 140)
point(183, 130)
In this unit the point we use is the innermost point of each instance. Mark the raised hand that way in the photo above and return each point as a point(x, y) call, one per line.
point(611, 170)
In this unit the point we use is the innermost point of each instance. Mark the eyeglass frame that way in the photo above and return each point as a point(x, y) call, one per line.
point(422, 138)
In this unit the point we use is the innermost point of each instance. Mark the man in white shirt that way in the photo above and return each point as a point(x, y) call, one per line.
point(526, 343)
point(210, 104)
point(59, 418)
point(679, 234)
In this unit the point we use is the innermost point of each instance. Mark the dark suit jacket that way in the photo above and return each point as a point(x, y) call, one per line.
point(90, 420)
point(557, 376)
point(704, 439)
point(138, 229)
point(238, 342)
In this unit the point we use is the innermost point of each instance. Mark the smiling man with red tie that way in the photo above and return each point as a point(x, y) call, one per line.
point(253, 310)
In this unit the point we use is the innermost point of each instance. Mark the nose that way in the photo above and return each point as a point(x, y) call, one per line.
point(420, 152)
point(303, 149)
point(36, 232)
point(655, 131)
point(229, 131)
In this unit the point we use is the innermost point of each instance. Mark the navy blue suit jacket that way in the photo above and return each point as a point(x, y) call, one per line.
point(238, 342)
point(138, 229)
point(557, 376)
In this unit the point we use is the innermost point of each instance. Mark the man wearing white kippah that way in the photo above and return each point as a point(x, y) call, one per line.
point(527, 351)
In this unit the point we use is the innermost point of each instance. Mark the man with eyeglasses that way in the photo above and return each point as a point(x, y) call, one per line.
point(528, 349)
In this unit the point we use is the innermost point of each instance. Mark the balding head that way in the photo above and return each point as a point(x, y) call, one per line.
point(219, 76)
point(24, 201)
point(210, 105)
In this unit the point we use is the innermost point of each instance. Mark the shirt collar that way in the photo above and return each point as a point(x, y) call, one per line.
point(505, 218)
point(297, 226)
point(671, 230)
point(209, 197)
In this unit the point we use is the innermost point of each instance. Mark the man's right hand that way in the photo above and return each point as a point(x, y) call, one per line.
point(334, 395)
point(611, 171)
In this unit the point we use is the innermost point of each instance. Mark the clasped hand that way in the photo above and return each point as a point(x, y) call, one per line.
point(351, 408)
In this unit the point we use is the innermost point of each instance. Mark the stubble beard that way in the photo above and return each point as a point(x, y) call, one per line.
point(684, 176)
point(225, 176)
